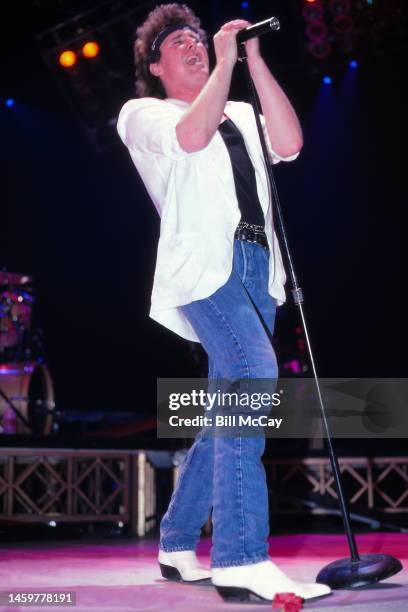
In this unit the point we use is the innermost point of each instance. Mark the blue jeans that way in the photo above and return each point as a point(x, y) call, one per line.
point(235, 327)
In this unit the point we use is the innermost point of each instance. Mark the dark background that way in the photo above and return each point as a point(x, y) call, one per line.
point(81, 223)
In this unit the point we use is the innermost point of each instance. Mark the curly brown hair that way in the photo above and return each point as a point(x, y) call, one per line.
point(158, 19)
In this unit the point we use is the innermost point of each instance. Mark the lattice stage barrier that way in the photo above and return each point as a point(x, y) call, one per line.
point(378, 483)
point(68, 485)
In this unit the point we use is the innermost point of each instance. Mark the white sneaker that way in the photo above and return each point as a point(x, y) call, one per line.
point(183, 566)
point(261, 581)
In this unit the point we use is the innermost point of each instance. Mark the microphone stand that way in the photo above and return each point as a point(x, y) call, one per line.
point(358, 570)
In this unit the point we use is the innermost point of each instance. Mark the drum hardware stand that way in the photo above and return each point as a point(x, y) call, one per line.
point(36, 341)
point(358, 570)
point(19, 356)
point(15, 410)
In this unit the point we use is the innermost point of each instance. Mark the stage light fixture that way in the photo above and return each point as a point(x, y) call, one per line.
point(313, 12)
point(245, 5)
point(90, 49)
point(316, 31)
point(342, 24)
point(320, 49)
point(340, 7)
point(353, 64)
point(67, 59)
point(327, 80)
point(9, 102)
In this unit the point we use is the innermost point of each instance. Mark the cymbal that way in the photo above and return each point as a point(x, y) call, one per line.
point(18, 296)
point(14, 278)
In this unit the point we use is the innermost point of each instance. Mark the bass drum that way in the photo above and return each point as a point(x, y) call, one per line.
point(29, 387)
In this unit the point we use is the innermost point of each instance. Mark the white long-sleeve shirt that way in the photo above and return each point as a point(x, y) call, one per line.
point(194, 194)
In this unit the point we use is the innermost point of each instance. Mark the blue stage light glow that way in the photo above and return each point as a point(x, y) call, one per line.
point(353, 64)
point(327, 80)
point(244, 5)
point(9, 102)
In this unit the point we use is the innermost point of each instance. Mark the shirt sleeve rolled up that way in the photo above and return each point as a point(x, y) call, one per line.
point(274, 157)
point(149, 125)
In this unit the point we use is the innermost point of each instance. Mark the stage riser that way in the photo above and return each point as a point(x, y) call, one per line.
point(376, 483)
point(71, 485)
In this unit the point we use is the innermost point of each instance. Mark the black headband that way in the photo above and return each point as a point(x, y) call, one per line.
point(154, 51)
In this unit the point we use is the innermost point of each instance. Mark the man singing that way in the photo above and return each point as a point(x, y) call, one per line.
point(218, 278)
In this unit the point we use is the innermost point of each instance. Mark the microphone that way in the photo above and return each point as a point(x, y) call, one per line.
point(258, 29)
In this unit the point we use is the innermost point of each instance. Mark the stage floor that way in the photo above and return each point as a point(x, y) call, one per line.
point(123, 574)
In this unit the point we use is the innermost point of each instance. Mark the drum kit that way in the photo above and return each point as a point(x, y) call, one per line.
point(26, 388)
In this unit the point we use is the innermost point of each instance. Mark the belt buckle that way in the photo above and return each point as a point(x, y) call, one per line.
point(249, 233)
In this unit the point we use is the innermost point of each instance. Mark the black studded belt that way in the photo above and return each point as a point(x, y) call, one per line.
point(249, 232)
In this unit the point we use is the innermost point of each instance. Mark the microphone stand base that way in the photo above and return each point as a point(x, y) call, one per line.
point(362, 572)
